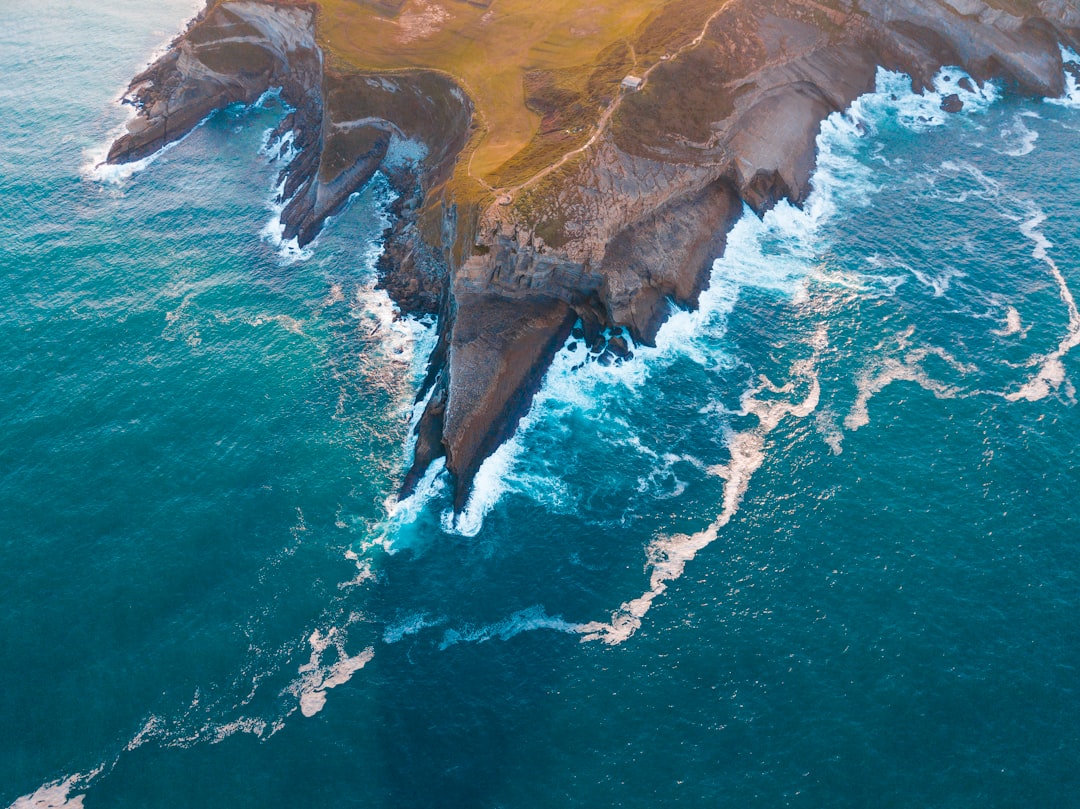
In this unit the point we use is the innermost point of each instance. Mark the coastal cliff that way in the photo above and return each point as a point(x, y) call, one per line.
point(617, 228)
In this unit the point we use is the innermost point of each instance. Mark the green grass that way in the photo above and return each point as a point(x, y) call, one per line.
point(515, 58)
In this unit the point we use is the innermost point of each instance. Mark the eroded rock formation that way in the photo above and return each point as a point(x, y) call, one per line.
point(617, 233)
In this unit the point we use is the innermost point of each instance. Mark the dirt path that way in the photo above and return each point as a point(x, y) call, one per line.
point(601, 125)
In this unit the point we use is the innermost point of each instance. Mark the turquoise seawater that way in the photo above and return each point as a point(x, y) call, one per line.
point(818, 548)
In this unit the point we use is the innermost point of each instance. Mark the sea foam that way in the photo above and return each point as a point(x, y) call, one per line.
point(782, 251)
point(318, 676)
point(57, 794)
point(526, 620)
point(1071, 96)
point(1050, 373)
point(668, 556)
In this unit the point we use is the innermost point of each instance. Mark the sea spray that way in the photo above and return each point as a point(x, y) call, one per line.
point(1071, 97)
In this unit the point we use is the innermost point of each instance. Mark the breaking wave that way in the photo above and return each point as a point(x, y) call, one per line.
point(842, 180)
point(1071, 97)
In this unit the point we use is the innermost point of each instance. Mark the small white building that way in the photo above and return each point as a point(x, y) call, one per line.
point(632, 83)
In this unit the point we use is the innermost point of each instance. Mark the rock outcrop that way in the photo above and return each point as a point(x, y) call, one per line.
point(615, 234)
point(230, 54)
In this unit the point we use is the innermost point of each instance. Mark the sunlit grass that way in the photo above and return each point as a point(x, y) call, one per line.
point(561, 47)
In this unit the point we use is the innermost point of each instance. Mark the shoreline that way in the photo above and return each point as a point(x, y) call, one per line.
point(618, 233)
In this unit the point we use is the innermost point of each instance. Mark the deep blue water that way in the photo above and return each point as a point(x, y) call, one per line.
point(819, 548)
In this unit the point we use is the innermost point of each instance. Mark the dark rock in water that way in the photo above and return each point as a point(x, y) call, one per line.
point(597, 344)
point(571, 346)
point(619, 347)
point(1073, 69)
point(967, 84)
point(952, 103)
point(577, 333)
point(606, 359)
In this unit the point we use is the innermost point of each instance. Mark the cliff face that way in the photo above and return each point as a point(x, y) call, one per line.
point(616, 232)
point(343, 128)
point(229, 54)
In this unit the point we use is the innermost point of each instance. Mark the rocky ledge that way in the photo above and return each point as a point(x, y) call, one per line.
point(619, 231)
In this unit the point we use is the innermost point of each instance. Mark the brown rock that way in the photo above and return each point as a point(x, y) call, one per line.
point(619, 347)
point(499, 353)
point(952, 103)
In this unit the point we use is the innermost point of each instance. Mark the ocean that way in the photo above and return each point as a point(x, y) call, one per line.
point(819, 547)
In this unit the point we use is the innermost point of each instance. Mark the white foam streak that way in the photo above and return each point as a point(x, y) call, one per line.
point(1051, 370)
point(526, 620)
point(669, 555)
point(318, 677)
point(410, 626)
point(939, 284)
point(1013, 324)
point(57, 794)
point(51, 796)
point(829, 431)
point(908, 369)
point(1019, 138)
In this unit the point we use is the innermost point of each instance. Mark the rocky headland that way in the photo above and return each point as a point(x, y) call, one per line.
point(615, 227)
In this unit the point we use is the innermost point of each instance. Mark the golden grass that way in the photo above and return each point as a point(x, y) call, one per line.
point(490, 51)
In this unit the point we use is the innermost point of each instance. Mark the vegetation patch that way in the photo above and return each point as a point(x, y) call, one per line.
point(569, 103)
point(491, 51)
